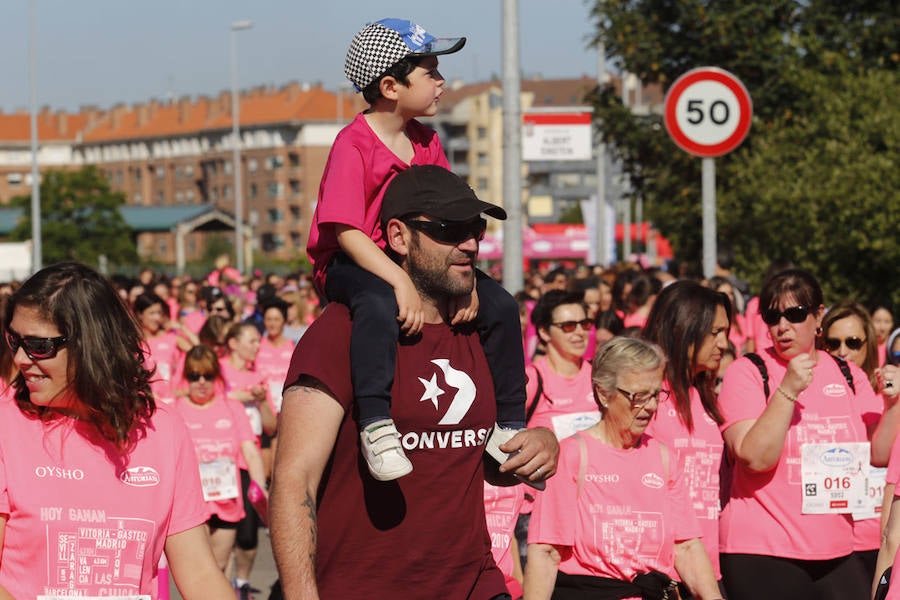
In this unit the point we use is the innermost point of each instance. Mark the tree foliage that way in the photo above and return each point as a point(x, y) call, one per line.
point(816, 179)
point(80, 218)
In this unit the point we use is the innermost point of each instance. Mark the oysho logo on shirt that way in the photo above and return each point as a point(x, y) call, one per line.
point(140, 477)
point(52, 472)
point(652, 480)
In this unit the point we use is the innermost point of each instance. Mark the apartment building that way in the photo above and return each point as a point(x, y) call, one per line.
point(180, 153)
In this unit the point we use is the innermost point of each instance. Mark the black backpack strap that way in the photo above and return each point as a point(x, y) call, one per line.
point(537, 396)
point(845, 369)
point(757, 360)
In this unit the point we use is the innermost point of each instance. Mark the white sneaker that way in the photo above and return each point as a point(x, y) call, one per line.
point(382, 450)
point(498, 437)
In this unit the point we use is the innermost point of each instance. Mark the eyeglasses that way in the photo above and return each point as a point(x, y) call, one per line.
point(852, 343)
point(221, 309)
point(450, 232)
point(195, 377)
point(36, 348)
point(569, 326)
point(794, 314)
point(641, 399)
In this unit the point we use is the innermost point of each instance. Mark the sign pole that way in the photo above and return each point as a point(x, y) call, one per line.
point(709, 217)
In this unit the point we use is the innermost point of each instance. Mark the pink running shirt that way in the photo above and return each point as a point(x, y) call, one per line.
point(82, 524)
point(763, 515)
point(273, 362)
point(217, 430)
point(698, 455)
point(567, 403)
point(356, 175)
point(502, 506)
point(631, 511)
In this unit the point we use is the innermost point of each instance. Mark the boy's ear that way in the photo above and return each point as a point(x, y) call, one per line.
point(388, 87)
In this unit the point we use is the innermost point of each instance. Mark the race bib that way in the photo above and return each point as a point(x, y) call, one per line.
point(834, 477)
point(572, 423)
point(219, 480)
point(874, 494)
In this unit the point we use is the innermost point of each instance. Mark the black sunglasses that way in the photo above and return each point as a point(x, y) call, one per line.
point(852, 343)
point(794, 314)
point(36, 348)
point(195, 377)
point(450, 232)
point(569, 326)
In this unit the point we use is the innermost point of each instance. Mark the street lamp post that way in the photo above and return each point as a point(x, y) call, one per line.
point(36, 242)
point(236, 142)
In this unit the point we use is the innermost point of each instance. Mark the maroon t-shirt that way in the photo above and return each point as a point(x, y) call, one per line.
point(423, 535)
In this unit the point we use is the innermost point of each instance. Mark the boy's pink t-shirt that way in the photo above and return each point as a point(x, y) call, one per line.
point(273, 362)
point(567, 403)
point(698, 455)
point(217, 430)
point(243, 380)
point(763, 515)
point(502, 506)
point(356, 175)
point(631, 511)
point(84, 519)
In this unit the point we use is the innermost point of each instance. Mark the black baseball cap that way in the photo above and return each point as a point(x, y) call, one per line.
point(435, 192)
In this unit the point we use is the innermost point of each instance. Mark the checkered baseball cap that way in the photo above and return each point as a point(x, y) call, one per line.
point(379, 46)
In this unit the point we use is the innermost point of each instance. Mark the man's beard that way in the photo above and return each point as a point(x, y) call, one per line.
point(431, 275)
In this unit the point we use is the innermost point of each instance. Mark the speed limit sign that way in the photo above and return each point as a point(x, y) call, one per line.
point(708, 112)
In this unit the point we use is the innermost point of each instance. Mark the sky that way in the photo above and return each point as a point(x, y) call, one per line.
point(105, 52)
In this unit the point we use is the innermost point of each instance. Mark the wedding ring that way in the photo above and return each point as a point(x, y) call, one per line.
point(538, 472)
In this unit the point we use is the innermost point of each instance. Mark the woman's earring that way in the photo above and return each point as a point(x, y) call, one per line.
point(818, 332)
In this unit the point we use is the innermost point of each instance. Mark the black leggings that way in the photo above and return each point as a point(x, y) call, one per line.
point(753, 576)
point(247, 528)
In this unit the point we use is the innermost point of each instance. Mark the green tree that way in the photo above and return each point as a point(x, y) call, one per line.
point(814, 180)
point(80, 218)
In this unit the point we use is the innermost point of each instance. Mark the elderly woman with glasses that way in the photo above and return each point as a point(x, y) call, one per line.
point(615, 521)
point(797, 424)
point(96, 478)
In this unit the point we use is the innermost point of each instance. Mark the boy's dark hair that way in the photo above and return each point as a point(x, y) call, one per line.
point(400, 71)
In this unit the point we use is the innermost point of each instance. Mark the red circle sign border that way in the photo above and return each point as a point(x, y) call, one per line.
point(728, 80)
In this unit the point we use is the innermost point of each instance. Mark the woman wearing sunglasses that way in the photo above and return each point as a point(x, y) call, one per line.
point(615, 521)
point(785, 532)
point(558, 391)
point(224, 443)
point(96, 479)
point(690, 323)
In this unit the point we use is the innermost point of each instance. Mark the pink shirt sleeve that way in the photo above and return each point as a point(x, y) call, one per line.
point(343, 187)
point(742, 395)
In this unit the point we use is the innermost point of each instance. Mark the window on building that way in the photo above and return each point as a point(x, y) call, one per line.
point(119, 177)
point(296, 239)
point(482, 183)
point(274, 162)
point(160, 197)
point(254, 191)
point(226, 192)
point(214, 194)
point(137, 175)
point(14, 178)
point(482, 158)
point(179, 197)
point(274, 189)
point(295, 186)
point(179, 172)
point(138, 198)
point(226, 167)
point(294, 159)
point(276, 215)
point(252, 165)
point(160, 172)
point(190, 195)
point(482, 133)
point(295, 212)
point(188, 170)
point(162, 246)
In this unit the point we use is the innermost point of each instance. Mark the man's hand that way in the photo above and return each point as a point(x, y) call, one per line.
point(533, 454)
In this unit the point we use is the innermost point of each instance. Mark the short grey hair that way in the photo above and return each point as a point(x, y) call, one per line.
point(623, 354)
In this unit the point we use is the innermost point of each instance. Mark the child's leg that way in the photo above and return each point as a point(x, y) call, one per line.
point(501, 336)
point(375, 331)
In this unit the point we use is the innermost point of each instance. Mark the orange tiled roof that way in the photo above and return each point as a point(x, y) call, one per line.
point(60, 126)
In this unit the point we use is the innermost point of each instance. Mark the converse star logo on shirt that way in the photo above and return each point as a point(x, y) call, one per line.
point(462, 399)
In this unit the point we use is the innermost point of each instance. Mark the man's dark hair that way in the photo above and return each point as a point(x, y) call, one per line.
point(400, 71)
